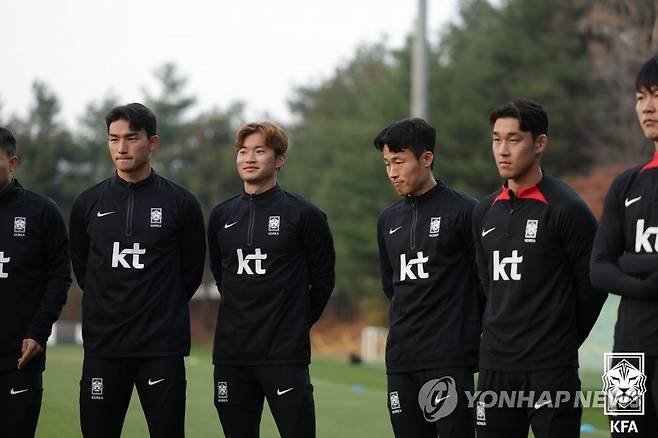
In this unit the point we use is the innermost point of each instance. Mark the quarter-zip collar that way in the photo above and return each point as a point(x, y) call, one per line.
point(651, 164)
point(533, 192)
point(427, 196)
point(11, 192)
point(116, 179)
point(268, 194)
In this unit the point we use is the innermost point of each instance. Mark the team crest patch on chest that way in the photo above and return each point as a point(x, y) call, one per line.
point(156, 217)
point(435, 226)
point(531, 230)
point(20, 226)
point(273, 225)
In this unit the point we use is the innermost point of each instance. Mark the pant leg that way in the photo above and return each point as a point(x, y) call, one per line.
point(443, 401)
point(556, 415)
point(161, 386)
point(289, 394)
point(105, 390)
point(496, 420)
point(20, 402)
point(405, 414)
point(238, 399)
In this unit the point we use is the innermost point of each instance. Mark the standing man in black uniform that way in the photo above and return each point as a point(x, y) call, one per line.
point(272, 256)
point(624, 259)
point(138, 248)
point(533, 239)
point(429, 274)
point(35, 275)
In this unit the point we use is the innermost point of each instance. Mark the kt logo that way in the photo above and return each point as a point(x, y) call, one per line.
point(119, 256)
point(243, 262)
point(3, 260)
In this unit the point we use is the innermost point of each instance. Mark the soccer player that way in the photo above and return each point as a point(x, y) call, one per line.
point(35, 275)
point(624, 259)
point(533, 239)
point(272, 256)
point(429, 274)
point(138, 249)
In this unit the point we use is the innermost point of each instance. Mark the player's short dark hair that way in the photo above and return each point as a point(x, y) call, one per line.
point(7, 142)
point(531, 116)
point(137, 115)
point(413, 133)
point(647, 77)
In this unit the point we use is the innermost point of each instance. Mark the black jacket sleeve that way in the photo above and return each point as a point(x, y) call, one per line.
point(480, 257)
point(214, 252)
point(577, 228)
point(58, 274)
point(469, 243)
point(608, 246)
point(192, 244)
point(318, 246)
point(79, 241)
point(638, 265)
point(385, 264)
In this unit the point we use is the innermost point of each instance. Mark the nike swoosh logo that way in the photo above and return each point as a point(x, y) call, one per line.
point(439, 400)
point(279, 392)
point(155, 382)
point(539, 405)
point(485, 232)
point(99, 214)
point(628, 202)
point(14, 392)
point(230, 225)
point(393, 230)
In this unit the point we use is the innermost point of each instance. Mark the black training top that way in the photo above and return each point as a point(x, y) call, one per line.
point(533, 252)
point(629, 232)
point(138, 252)
point(428, 273)
point(272, 257)
point(35, 272)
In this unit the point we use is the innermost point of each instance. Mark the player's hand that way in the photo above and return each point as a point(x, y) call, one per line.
point(29, 349)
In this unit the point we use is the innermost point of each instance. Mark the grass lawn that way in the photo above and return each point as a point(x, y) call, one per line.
point(350, 401)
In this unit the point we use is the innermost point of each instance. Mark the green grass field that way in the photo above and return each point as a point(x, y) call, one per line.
point(341, 411)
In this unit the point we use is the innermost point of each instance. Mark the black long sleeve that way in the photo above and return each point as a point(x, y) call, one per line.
point(192, 244)
point(578, 228)
point(79, 242)
point(320, 256)
point(58, 277)
point(385, 264)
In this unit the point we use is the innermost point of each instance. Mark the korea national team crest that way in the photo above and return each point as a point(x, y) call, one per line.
point(395, 402)
point(624, 383)
point(20, 226)
point(273, 225)
point(97, 388)
point(156, 217)
point(480, 415)
point(222, 392)
point(531, 230)
point(435, 226)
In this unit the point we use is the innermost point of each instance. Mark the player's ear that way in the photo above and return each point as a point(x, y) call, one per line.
point(540, 144)
point(154, 142)
point(280, 161)
point(427, 158)
point(14, 162)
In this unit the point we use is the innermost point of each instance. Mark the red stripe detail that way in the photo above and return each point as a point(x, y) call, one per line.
point(527, 193)
point(651, 164)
